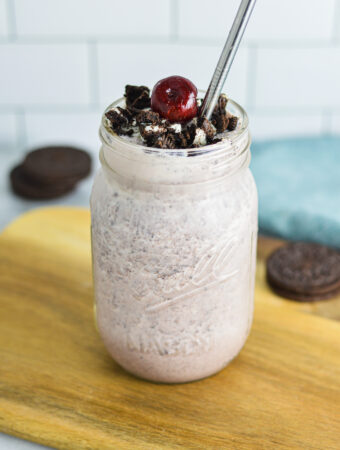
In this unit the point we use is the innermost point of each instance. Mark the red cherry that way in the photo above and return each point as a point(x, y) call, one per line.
point(174, 98)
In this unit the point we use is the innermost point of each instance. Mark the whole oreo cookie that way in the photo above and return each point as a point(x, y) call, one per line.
point(304, 271)
point(50, 165)
point(25, 187)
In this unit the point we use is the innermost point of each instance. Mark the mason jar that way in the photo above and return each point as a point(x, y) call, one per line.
point(174, 237)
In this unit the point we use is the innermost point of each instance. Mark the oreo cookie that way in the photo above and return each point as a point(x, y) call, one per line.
point(25, 187)
point(304, 271)
point(54, 164)
point(49, 172)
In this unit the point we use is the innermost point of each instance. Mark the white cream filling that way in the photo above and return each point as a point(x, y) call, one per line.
point(116, 110)
point(153, 128)
point(177, 127)
point(200, 137)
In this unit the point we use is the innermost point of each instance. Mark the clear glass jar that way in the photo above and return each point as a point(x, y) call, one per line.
point(174, 250)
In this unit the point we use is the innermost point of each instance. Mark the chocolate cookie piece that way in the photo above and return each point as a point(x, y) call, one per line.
point(137, 97)
point(120, 120)
point(220, 117)
point(304, 271)
point(49, 165)
point(152, 133)
point(232, 124)
point(155, 131)
point(148, 117)
point(25, 187)
point(208, 128)
point(165, 141)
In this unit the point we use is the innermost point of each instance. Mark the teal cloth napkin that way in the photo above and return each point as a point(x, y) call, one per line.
point(298, 182)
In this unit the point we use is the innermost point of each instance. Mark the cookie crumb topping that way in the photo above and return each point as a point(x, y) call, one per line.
point(155, 131)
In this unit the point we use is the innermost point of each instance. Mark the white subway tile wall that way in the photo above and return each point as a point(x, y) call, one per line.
point(272, 20)
point(62, 61)
point(208, 21)
point(44, 74)
point(92, 18)
point(304, 78)
point(3, 19)
point(292, 20)
point(126, 64)
point(8, 130)
point(334, 124)
point(268, 126)
point(79, 129)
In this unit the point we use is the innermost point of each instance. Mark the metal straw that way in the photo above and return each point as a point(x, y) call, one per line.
point(227, 56)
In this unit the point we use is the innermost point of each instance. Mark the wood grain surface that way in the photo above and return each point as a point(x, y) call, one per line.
point(59, 387)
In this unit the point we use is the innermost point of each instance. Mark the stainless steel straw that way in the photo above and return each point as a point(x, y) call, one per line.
point(227, 56)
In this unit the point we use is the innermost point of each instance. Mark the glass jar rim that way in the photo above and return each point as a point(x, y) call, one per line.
point(109, 137)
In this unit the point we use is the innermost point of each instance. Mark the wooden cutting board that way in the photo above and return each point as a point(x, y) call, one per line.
point(59, 387)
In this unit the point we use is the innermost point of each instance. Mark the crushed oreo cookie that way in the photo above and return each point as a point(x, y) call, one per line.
point(137, 97)
point(219, 117)
point(232, 124)
point(208, 128)
point(160, 133)
point(147, 117)
point(120, 120)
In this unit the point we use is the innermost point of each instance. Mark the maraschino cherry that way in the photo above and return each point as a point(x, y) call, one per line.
point(174, 98)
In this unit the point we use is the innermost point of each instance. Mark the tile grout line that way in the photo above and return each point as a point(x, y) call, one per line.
point(21, 125)
point(49, 109)
point(93, 73)
point(251, 77)
point(99, 39)
point(174, 20)
point(11, 20)
point(336, 18)
point(174, 38)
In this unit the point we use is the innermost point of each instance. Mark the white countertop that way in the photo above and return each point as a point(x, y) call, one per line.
point(13, 443)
